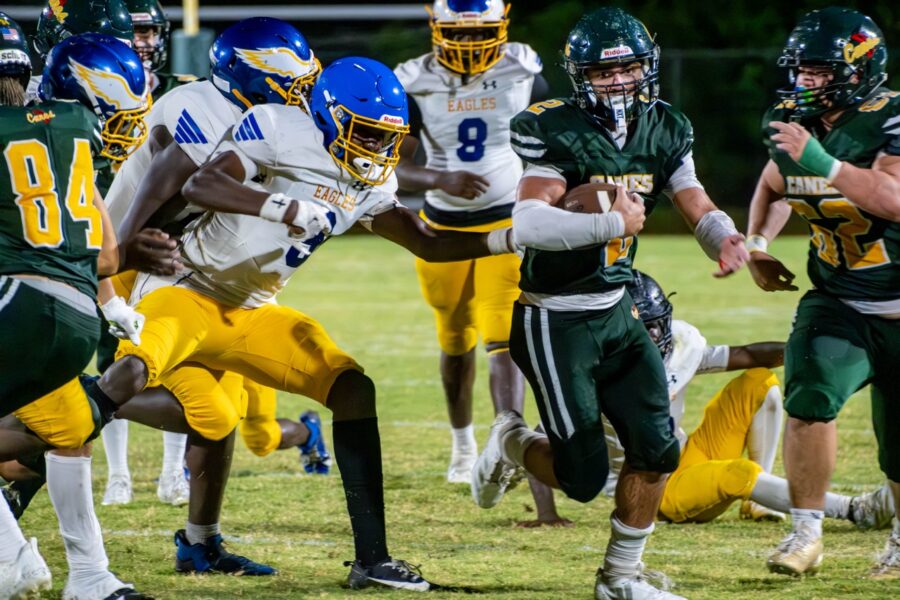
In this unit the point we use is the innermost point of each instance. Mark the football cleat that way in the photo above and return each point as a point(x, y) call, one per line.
point(397, 574)
point(211, 557)
point(754, 511)
point(173, 488)
point(634, 588)
point(873, 510)
point(493, 474)
point(104, 585)
point(460, 469)
point(26, 576)
point(801, 552)
point(888, 566)
point(313, 454)
point(127, 593)
point(118, 490)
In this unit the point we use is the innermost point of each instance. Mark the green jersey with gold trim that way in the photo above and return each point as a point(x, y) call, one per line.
point(559, 135)
point(48, 222)
point(853, 255)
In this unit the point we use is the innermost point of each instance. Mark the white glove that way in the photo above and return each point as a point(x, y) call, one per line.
point(312, 218)
point(124, 321)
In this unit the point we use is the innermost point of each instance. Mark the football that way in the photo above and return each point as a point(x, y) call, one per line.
point(589, 198)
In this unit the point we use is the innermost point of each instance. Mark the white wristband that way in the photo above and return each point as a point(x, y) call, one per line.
point(756, 243)
point(499, 241)
point(274, 208)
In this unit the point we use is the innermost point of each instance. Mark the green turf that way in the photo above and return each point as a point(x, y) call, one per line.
point(365, 293)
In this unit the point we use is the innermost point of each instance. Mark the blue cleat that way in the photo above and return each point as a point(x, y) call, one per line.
point(313, 454)
point(211, 557)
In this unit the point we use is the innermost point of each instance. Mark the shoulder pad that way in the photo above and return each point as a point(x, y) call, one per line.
point(410, 73)
point(525, 56)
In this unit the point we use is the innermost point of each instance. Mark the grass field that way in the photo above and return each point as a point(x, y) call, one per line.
point(365, 293)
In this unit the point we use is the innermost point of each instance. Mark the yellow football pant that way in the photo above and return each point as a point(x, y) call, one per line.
point(273, 345)
point(260, 430)
point(471, 297)
point(712, 473)
point(63, 418)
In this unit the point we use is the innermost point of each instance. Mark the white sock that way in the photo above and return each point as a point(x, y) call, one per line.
point(69, 485)
point(765, 429)
point(516, 442)
point(11, 538)
point(198, 534)
point(464, 440)
point(896, 530)
point(623, 553)
point(773, 492)
point(808, 518)
point(173, 452)
point(115, 441)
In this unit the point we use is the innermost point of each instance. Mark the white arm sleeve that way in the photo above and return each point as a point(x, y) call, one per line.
point(715, 359)
point(536, 224)
point(685, 177)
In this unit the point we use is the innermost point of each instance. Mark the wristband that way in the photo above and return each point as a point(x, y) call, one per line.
point(274, 207)
point(756, 243)
point(499, 241)
point(816, 160)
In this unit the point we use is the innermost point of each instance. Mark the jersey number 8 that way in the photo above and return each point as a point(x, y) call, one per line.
point(34, 184)
point(471, 134)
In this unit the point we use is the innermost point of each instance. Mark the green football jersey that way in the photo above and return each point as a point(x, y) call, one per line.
point(853, 254)
point(559, 135)
point(48, 222)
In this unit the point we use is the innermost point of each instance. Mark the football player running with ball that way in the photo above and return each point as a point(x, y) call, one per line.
point(834, 148)
point(576, 334)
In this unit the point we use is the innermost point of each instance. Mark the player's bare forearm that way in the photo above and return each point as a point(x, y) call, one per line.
point(108, 259)
point(875, 190)
point(768, 211)
point(693, 203)
point(410, 176)
point(403, 227)
point(760, 354)
point(218, 185)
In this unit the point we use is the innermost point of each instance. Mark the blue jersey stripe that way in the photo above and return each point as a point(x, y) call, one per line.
point(252, 120)
point(186, 134)
point(198, 133)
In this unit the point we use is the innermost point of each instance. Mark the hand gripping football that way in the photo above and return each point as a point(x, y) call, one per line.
point(589, 198)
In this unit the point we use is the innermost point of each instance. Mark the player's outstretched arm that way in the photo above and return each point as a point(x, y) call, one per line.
point(714, 230)
point(404, 227)
point(418, 178)
point(768, 215)
point(875, 190)
point(108, 259)
point(760, 354)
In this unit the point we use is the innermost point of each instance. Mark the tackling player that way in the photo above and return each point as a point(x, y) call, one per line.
point(834, 149)
point(55, 239)
point(576, 334)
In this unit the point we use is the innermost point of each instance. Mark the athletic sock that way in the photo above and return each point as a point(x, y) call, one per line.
point(464, 440)
point(21, 493)
point(765, 429)
point(198, 534)
point(773, 492)
point(516, 442)
point(809, 519)
point(69, 485)
point(12, 537)
point(357, 449)
point(174, 445)
point(623, 553)
point(115, 442)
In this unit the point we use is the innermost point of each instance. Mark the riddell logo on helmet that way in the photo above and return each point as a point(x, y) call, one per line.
point(616, 52)
point(56, 7)
point(391, 119)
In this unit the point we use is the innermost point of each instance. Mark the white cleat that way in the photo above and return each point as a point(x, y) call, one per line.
point(460, 469)
point(25, 577)
point(754, 511)
point(635, 588)
point(173, 488)
point(800, 553)
point(888, 566)
point(493, 474)
point(118, 490)
point(873, 510)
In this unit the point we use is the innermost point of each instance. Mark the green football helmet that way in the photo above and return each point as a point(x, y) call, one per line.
point(611, 37)
point(14, 60)
point(844, 40)
point(64, 18)
point(149, 13)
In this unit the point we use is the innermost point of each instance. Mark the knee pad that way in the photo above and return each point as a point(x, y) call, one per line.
point(455, 341)
point(261, 436)
point(665, 462)
point(739, 477)
point(584, 481)
point(811, 402)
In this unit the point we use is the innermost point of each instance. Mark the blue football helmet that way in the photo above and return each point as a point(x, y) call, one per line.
point(106, 76)
point(360, 106)
point(261, 60)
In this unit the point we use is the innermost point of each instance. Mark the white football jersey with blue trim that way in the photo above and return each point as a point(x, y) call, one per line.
point(196, 115)
point(465, 124)
point(246, 261)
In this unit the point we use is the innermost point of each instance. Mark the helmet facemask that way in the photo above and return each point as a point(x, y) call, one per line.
point(298, 91)
point(660, 331)
point(372, 165)
point(848, 85)
point(124, 132)
point(153, 54)
point(469, 46)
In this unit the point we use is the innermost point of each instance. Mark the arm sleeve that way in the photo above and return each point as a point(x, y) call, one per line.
point(536, 224)
point(684, 177)
point(714, 360)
